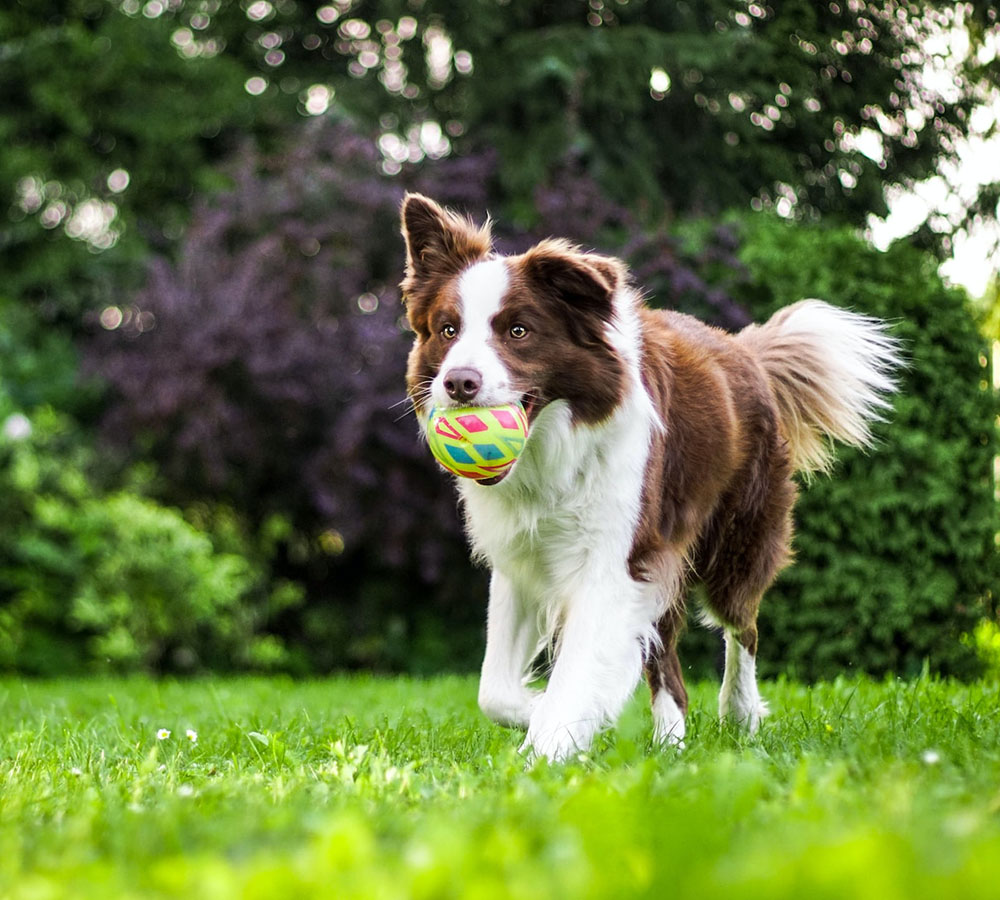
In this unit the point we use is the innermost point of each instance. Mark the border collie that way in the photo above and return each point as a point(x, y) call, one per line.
point(660, 453)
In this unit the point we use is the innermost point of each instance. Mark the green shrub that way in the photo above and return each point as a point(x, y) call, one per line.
point(114, 581)
point(985, 640)
point(895, 552)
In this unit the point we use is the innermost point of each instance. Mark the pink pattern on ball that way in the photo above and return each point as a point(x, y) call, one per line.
point(505, 418)
point(472, 423)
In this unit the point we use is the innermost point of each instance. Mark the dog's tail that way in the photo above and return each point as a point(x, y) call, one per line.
point(831, 371)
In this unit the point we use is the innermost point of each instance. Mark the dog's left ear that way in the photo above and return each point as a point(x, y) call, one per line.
point(438, 241)
point(586, 281)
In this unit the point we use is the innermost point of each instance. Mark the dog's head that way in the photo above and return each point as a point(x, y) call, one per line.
point(491, 329)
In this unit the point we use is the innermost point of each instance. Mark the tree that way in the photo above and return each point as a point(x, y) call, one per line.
point(104, 144)
point(114, 113)
point(680, 107)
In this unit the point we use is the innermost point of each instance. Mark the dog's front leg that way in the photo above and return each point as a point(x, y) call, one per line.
point(512, 640)
point(598, 665)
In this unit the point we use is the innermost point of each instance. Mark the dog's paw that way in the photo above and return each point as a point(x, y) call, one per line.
point(556, 743)
point(669, 739)
point(554, 751)
point(668, 721)
point(509, 710)
point(748, 716)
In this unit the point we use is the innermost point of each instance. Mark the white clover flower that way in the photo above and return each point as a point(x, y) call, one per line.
point(163, 734)
point(931, 757)
point(191, 735)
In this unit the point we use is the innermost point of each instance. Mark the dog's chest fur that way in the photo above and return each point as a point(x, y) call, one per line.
point(569, 509)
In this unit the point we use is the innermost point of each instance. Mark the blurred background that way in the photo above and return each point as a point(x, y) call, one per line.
point(206, 460)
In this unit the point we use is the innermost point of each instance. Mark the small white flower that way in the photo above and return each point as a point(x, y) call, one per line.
point(76, 770)
point(931, 757)
point(185, 790)
point(163, 734)
point(191, 735)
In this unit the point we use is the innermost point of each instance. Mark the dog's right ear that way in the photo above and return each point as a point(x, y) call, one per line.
point(439, 243)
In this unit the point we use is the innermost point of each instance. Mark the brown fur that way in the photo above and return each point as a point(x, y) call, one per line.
point(663, 667)
point(439, 245)
point(719, 492)
point(566, 355)
point(562, 296)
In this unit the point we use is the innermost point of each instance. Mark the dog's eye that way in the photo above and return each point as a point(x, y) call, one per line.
point(518, 331)
point(449, 332)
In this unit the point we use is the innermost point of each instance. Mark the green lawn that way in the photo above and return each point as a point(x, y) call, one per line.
point(398, 788)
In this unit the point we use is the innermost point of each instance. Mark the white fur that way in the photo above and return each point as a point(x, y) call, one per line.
point(739, 698)
point(860, 354)
point(557, 532)
point(668, 720)
point(853, 355)
point(481, 290)
point(513, 640)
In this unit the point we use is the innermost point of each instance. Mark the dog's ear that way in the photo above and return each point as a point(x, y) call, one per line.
point(438, 242)
point(585, 281)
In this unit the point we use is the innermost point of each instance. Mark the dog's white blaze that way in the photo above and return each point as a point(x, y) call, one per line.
point(481, 289)
point(739, 698)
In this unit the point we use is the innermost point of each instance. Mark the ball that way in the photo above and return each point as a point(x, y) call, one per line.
point(478, 442)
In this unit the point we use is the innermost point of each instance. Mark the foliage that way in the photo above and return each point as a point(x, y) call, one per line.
point(103, 146)
point(264, 371)
point(762, 103)
point(357, 787)
point(987, 309)
point(985, 639)
point(94, 581)
point(275, 388)
point(895, 552)
point(39, 365)
point(759, 102)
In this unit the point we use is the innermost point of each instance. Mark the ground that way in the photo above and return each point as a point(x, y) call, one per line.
point(362, 787)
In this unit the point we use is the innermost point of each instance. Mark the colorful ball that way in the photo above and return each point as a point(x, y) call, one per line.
point(478, 442)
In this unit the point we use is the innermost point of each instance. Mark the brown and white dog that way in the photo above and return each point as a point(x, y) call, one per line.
point(660, 453)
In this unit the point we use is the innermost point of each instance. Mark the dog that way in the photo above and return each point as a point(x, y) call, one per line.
point(661, 452)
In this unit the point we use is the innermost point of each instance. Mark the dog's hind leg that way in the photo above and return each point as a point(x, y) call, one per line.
point(733, 599)
point(666, 683)
point(512, 641)
point(748, 553)
point(739, 699)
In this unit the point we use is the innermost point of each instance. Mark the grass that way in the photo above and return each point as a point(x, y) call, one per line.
point(361, 787)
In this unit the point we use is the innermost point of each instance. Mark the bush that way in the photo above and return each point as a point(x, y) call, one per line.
point(264, 371)
point(895, 552)
point(985, 640)
point(91, 581)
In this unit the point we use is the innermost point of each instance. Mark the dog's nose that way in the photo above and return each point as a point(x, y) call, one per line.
point(463, 384)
